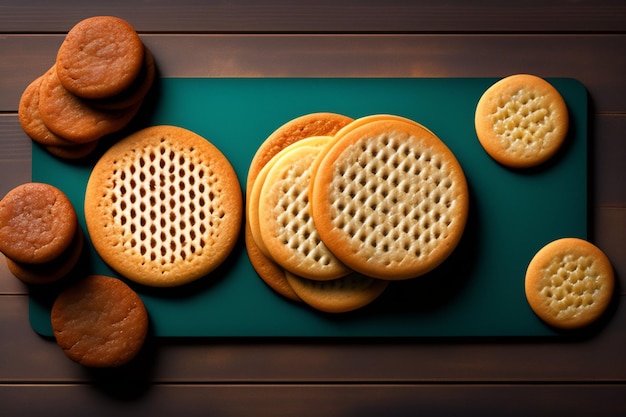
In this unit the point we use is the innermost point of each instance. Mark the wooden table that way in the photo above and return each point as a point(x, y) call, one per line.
point(585, 40)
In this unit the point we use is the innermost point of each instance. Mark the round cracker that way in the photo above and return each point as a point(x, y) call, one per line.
point(390, 200)
point(313, 124)
point(286, 226)
point(569, 283)
point(521, 121)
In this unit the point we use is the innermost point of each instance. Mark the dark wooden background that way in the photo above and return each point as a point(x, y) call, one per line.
point(582, 39)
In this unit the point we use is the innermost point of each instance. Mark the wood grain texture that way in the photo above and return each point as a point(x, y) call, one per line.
point(337, 16)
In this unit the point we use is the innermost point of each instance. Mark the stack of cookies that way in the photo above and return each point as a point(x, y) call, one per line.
point(96, 86)
point(342, 213)
point(39, 233)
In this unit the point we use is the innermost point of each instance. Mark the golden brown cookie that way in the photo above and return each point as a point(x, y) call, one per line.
point(74, 119)
point(341, 295)
point(390, 200)
point(314, 124)
point(37, 223)
point(521, 121)
point(52, 271)
point(286, 226)
point(163, 206)
point(100, 57)
point(30, 119)
point(100, 322)
point(569, 283)
point(136, 92)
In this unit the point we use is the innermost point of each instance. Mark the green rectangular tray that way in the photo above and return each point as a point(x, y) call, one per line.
point(479, 291)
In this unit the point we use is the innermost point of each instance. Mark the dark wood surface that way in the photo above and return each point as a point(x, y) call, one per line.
point(585, 40)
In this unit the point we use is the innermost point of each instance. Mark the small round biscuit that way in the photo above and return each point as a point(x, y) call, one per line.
point(569, 283)
point(313, 124)
point(521, 121)
point(74, 119)
point(100, 322)
point(30, 118)
point(163, 206)
point(390, 200)
point(286, 226)
point(340, 295)
point(37, 223)
point(100, 57)
point(52, 271)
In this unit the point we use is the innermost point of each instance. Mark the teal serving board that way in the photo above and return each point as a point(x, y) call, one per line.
point(478, 291)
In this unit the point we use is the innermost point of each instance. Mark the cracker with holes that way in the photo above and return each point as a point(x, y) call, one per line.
point(390, 199)
point(163, 206)
point(569, 283)
point(521, 121)
point(286, 227)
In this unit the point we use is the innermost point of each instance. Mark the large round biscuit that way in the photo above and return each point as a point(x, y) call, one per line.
point(569, 283)
point(521, 120)
point(390, 200)
point(163, 206)
point(313, 124)
point(286, 226)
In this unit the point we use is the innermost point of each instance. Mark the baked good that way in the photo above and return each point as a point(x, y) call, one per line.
point(163, 206)
point(521, 121)
point(100, 57)
point(286, 226)
point(569, 283)
point(77, 151)
point(308, 125)
point(37, 223)
point(340, 295)
point(30, 119)
point(53, 270)
point(390, 200)
point(73, 118)
point(99, 322)
point(136, 92)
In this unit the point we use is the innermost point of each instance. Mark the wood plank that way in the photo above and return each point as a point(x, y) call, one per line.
point(246, 16)
point(594, 357)
point(121, 400)
point(25, 57)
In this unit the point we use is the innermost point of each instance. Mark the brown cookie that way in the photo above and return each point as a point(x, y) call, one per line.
point(30, 118)
point(99, 322)
point(521, 121)
point(163, 206)
point(52, 271)
point(37, 223)
point(136, 92)
point(314, 124)
point(569, 283)
point(74, 119)
point(100, 57)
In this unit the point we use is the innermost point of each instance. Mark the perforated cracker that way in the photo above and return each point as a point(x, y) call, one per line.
point(285, 222)
point(390, 200)
point(569, 283)
point(163, 206)
point(521, 120)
